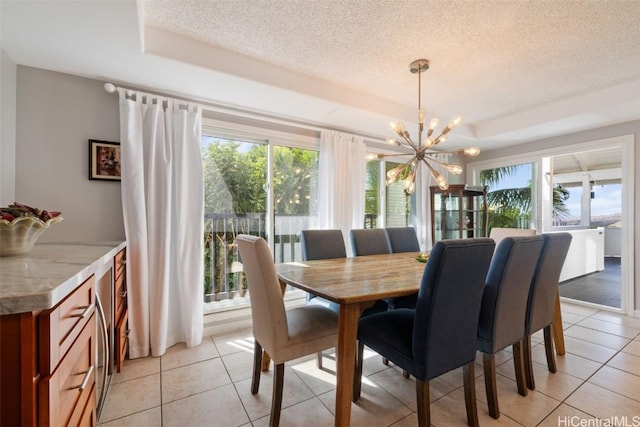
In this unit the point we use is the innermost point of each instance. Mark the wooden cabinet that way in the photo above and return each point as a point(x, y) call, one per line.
point(48, 363)
point(459, 212)
point(120, 308)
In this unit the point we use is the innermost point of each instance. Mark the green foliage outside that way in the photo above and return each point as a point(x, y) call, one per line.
point(235, 186)
point(511, 207)
point(372, 188)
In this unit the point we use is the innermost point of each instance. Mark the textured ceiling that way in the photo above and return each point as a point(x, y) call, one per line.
point(488, 58)
point(517, 71)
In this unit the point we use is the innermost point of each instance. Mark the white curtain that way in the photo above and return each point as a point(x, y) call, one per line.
point(424, 181)
point(163, 205)
point(341, 182)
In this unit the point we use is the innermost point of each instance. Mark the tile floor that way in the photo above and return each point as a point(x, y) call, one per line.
point(210, 385)
point(602, 287)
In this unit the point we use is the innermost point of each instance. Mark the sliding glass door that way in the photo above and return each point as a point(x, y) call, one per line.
point(259, 188)
point(235, 178)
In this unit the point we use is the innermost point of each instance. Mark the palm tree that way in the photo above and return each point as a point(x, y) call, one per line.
point(512, 206)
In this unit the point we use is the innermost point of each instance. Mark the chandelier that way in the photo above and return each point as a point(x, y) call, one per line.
point(421, 151)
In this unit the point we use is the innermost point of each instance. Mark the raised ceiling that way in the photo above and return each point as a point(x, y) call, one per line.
point(516, 71)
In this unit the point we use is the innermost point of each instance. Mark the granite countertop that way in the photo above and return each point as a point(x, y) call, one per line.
point(45, 276)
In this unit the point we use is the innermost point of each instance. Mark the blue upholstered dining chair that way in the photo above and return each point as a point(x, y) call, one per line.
point(374, 241)
point(439, 335)
point(403, 239)
point(369, 241)
point(284, 334)
point(327, 244)
point(504, 307)
point(541, 304)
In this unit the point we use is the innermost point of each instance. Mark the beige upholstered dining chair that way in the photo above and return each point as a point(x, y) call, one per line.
point(283, 334)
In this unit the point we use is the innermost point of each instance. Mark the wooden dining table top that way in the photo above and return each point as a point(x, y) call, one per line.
point(357, 279)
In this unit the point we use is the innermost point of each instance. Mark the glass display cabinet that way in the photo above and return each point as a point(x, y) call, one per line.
point(459, 212)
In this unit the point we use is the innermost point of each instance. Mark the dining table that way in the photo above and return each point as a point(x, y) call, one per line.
point(356, 283)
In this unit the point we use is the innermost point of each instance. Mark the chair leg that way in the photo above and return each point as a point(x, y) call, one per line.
point(424, 406)
point(405, 373)
point(518, 366)
point(357, 375)
point(471, 405)
point(528, 364)
point(489, 365)
point(319, 360)
point(385, 361)
point(276, 399)
point(257, 366)
point(548, 347)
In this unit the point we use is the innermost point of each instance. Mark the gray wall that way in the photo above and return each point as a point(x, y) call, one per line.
point(56, 116)
point(579, 138)
point(8, 126)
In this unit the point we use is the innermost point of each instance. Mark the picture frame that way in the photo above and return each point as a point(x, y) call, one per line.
point(104, 160)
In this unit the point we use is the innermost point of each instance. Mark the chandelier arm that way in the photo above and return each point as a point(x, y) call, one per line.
point(445, 152)
point(382, 156)
point(410, 142)
point(434, 172)
point(434, 160)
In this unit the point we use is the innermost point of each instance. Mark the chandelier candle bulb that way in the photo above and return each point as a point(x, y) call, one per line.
point(454, 169)
point(432, 125)
point(455, 122)
point(471, 151)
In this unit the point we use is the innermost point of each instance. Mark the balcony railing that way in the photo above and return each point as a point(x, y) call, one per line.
point(223, 276)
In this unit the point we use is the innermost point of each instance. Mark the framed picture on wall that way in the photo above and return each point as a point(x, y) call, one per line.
point(104, 160)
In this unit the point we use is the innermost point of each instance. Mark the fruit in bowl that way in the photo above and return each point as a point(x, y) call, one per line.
point(21, 226)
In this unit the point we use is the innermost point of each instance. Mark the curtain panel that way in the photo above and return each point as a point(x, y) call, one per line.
point(163, 208)
point(342, 169)
point(422, 214)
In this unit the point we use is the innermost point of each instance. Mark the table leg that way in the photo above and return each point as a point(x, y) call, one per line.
point(558, 332)
point(346, 356)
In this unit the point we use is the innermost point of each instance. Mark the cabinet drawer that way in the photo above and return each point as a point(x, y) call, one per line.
point(61, 326)
point(88, 418)
point(120, 297)
point(65, 393)
point(120, 261)
point(122, 341)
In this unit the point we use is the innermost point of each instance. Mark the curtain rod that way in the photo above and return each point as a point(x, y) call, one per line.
point(111, 88)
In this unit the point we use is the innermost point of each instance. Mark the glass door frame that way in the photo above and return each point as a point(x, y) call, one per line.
point(543, 209)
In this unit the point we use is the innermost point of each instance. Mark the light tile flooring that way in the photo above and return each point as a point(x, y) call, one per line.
point(209, 385)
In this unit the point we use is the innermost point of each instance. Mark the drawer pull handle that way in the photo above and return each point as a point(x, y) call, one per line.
point(87, 310)
point(123, 294)
point(123, 262)
point(85, 381)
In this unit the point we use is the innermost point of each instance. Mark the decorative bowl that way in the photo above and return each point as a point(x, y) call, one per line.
point(18, 236)
point(423, 257)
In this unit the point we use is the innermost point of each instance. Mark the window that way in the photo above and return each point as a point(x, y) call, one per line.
point(385, 206)
point(238, 174)
point(295, 187)
point(235, 203)
point(510, 195)
point(589, 185)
